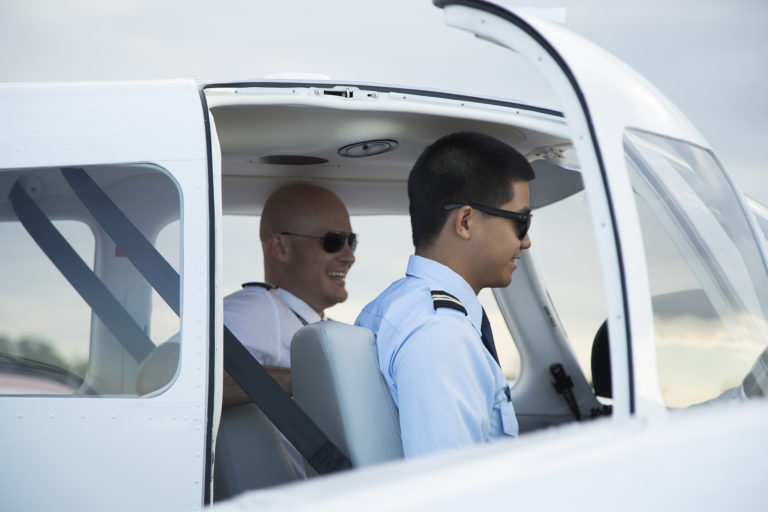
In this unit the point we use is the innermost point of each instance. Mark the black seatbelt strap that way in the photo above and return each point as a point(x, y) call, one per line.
point(258, 284)
point(266, 393)
point(268, 287)
point(301, 318)
point(79, 275)
point(142, 254)
point(564, 385)
point(287, 416)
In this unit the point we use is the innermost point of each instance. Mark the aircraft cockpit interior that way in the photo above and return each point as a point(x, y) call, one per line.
point(361, 145)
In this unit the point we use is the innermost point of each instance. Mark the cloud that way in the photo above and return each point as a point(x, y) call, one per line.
point(707, 57)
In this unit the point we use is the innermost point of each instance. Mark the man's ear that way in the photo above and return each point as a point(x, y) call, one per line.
point(462, 224)
point(278, 247)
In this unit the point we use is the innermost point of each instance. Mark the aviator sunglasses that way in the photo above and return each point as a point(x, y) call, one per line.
point(333, 241)
point(523, 220)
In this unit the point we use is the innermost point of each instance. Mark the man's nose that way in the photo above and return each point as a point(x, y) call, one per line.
point(525, 243)
point(346, 254)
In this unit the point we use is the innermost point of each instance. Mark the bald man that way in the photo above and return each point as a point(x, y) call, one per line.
point(308, 248)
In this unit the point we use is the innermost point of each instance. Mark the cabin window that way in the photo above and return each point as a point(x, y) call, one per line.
point(707, 277)
point(381, 258)
point(77, 316)
point(564, 248)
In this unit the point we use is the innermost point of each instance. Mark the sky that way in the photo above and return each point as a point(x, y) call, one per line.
point(707, 56)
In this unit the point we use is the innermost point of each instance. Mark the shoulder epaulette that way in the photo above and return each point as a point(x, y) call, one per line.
point(262, 285)
point(441, 299)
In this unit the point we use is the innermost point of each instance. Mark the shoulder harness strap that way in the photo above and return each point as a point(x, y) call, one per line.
point(441, 299)
point(269, 286)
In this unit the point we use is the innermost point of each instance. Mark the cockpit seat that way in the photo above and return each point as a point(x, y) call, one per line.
point(336, 380)
point(601, 363)
point(158, 369)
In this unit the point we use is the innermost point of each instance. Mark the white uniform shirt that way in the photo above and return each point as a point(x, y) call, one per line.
point(265, 320)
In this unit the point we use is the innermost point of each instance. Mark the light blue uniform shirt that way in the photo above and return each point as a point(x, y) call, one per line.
point(449, 390)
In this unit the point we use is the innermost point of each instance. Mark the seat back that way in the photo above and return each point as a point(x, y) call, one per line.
point(336, 380)
point(159, 368)
point(601, 363)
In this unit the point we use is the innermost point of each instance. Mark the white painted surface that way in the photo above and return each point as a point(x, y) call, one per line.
point(710, 459)
point(115, 453)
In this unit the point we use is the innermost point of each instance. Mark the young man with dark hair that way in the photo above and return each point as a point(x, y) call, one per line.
point(470, 213)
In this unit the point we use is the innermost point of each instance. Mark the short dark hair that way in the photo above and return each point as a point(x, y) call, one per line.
point(464, 167)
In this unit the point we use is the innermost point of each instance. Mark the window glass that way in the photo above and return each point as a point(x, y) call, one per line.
point(74, 310)
point(565, 251)
point(164, 323)
point(760, 212)
point(381, 258)
point(50, 338)
point(707, 276)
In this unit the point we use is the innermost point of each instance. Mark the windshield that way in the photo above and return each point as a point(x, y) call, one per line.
point(707, 273)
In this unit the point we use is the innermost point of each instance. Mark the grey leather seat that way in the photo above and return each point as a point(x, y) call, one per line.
point(336, 380)
point(601, 363)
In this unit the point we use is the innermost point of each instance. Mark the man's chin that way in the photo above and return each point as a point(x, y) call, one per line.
point(337, 297)
point(503, 282)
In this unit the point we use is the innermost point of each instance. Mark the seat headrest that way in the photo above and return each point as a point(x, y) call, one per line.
point(336, 380)
point(158, 369)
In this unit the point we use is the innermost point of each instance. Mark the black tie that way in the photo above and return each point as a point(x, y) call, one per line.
point(487, 336)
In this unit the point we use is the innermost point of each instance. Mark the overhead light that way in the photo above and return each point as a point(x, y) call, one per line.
point(368, 148)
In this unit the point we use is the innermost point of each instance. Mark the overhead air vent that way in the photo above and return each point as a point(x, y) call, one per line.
point(290, 160)
point(368, 148)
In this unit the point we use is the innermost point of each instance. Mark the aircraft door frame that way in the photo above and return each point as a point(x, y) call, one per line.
point(600, 97)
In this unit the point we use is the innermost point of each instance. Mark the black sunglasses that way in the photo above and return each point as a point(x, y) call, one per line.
point(523, 220)
point(333, 241)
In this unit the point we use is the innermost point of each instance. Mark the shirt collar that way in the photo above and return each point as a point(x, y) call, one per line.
point(441, 277)
point(298, 306)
